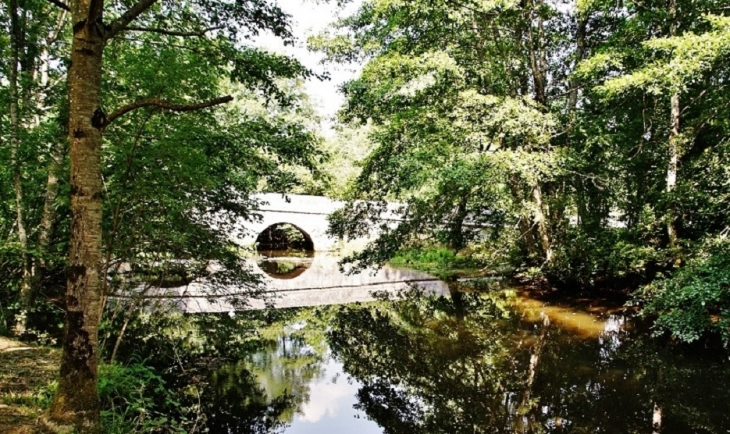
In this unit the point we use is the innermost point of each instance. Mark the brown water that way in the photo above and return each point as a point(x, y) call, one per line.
point(490, 363)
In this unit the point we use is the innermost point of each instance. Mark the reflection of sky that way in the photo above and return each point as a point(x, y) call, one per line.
point(329, 409)
point(610, 339)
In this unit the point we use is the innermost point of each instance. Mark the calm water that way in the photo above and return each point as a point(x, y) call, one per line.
point(466, 363)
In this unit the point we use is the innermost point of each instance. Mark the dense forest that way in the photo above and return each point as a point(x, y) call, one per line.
point(580, 144)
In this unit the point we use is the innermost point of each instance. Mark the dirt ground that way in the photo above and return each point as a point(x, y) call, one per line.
point(24, 371)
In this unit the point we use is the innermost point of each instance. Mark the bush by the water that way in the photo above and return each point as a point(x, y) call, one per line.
point(135, 399)
point(610, 257)
point(695, 299)
point(439, 261)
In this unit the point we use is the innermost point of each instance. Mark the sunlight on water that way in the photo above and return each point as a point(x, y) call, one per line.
point(584, 324)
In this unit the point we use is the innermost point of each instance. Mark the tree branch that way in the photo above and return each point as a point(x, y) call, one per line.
point(121, 23)
point(95, 10)
point(173, 32)
point(165, 105)
point(60, 4)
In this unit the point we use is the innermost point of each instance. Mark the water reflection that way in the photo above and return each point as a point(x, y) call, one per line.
point(285, 264)
point(291, 383)
point(499, 368)
point(313, 280)
point(489, 363)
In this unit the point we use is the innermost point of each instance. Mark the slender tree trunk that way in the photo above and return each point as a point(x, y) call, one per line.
point(524, 224)
point(537, 54)
point(672, 167)
point(76, 400)
point(48, 216)
point(542, 224)
point(674, 144)
point(13, 94)
point(580, 48)
point(456, 239)
point(57, 154)
point(538, 65)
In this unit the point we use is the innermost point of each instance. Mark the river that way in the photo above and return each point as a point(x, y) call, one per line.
point(479, 360)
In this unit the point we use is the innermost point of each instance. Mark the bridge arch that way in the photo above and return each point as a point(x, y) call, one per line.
point(284, 235)
point(307, 213)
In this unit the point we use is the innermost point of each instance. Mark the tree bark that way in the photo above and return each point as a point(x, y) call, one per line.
point(13, 94)
point(76, 401)
point(542, 224)
point(674, 145)
point(48, 216)
point(524, 224)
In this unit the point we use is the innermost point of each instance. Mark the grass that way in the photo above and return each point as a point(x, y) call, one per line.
point(440, 262)
point(27, 375)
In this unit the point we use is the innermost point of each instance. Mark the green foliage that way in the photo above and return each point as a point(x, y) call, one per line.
point(438, 261)
point(40, 398)
point(176, 185)
point(695, 299)
point(612, 258)
point(135, 399)
point(11, 263)
point(690, 57)
point(250, 369)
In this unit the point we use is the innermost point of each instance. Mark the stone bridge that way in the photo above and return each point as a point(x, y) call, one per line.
point(306, 213)
point(309, 215)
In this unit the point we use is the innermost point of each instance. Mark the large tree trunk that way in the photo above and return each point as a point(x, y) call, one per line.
point(76, 401)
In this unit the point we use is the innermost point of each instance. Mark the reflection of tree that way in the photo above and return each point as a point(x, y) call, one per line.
point(285, 368)
point(621, 382)
point(426, 369)
point(264, 390)
point(237, 404)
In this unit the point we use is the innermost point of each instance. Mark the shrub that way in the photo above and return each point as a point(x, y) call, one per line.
point(613, 255)
point(135, 399)
point(695, 299)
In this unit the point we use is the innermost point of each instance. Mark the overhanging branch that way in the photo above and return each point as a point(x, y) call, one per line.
point(173, 32)
point(165, 105)
point(123, 21)
point(60, 4)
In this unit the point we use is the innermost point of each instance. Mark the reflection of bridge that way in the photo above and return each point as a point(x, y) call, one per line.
point(321, 284)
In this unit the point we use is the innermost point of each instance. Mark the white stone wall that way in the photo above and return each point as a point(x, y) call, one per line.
point(308, 213)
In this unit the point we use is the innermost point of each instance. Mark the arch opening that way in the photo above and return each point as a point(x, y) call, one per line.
point(284, 237)
point(286, 250)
